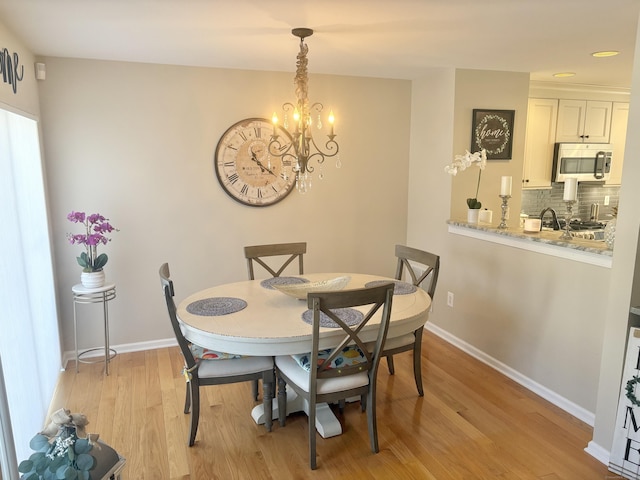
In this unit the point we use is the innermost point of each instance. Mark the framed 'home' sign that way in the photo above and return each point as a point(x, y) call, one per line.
point(625, 452)
point(493, 131)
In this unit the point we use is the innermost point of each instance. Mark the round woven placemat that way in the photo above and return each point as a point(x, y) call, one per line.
point(399, 288)
point(350, 316)
point(215, 306)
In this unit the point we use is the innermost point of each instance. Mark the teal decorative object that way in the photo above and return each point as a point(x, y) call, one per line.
point(60, 453)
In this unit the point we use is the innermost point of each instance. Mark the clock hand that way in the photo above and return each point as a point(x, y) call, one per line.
point(265, 168)
point(262, 167)
point(253, 157)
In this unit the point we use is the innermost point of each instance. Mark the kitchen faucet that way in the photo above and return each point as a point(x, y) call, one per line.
point(554, 218)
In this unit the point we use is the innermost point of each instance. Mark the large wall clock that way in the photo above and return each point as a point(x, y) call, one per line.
point(245, 169)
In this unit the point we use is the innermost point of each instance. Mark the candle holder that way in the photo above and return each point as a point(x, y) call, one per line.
point(505, 208)
point(567, 220)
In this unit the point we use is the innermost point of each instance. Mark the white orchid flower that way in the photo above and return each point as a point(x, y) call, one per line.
point(462, 162)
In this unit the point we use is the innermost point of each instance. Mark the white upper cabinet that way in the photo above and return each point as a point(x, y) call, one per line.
point(619, 117)
point(584, 121)
point(542, 116)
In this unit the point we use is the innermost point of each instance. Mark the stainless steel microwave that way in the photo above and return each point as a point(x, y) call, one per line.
point(588, 162)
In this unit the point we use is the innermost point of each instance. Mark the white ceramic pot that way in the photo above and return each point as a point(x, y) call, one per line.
point(472, 215)
point(92, 279)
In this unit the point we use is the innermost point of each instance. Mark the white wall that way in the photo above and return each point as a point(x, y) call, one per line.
point(135, 142)
point(623, 275)
point(432, 118)
point(541, 317)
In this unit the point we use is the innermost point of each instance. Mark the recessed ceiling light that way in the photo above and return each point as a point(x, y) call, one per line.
point(605, 53)
point(564, 74)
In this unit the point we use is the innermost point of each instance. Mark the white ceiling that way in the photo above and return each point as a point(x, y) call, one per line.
point(379, 38)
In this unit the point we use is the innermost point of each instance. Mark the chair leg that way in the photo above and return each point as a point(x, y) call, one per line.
point(268, 379)
point(312, 434)
point(371, 419)
point(392, 369)
point(254, 390)
point(417, 362)
point(282, 400)
point(195, 410)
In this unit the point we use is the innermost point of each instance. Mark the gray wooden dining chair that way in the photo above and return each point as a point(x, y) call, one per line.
point(345, 370)
point(274, 258)
point(422, 269)
point(281, 254)
point(202, 372)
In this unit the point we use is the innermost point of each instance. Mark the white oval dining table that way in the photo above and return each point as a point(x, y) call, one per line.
point(271, 324)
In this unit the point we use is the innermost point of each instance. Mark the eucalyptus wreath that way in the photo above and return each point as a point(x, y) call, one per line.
point(505, 127)
point(631, 391)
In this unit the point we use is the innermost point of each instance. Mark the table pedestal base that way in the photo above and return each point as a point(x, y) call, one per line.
point(327, 424)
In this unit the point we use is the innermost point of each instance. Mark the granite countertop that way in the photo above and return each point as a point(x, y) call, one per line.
point(550, 237)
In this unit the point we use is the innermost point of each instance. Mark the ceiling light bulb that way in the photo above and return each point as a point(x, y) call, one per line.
point(564, 74)
point(605, 53)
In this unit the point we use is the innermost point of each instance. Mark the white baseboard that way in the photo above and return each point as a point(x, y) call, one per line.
point(123, 348)
point(566, 405)
point(599, 453)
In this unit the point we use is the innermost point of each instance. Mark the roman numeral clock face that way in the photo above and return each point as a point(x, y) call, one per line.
point(246, 170)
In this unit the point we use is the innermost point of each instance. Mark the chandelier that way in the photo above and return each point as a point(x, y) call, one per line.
point(301, 148)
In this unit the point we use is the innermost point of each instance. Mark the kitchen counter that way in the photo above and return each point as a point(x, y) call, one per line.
point(547, 242)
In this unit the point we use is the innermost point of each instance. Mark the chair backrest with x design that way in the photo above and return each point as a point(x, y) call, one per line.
point(408, 257)
point(290, 252)
point(326, 304)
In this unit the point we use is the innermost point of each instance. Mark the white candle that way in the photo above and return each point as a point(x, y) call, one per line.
point(331, 120)
point(570, 189)
point(505, 186)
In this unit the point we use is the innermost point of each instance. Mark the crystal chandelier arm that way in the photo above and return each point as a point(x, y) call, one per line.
point(331, 149)
point(277, 149)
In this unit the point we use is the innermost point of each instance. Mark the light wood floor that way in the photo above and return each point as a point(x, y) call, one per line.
point(472, 423)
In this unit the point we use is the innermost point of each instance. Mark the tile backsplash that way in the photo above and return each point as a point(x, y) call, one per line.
point(534, 201)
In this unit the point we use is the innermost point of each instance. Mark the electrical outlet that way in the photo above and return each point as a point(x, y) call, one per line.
point(450, 299)
point(606, 199)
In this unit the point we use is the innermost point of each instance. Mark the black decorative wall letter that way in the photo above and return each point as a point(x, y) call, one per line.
point(10, 69)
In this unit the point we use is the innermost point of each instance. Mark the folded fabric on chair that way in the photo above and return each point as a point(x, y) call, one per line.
point(351, 355)
point(201, 353)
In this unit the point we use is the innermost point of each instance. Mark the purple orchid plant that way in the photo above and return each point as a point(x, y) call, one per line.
point(96, 227)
